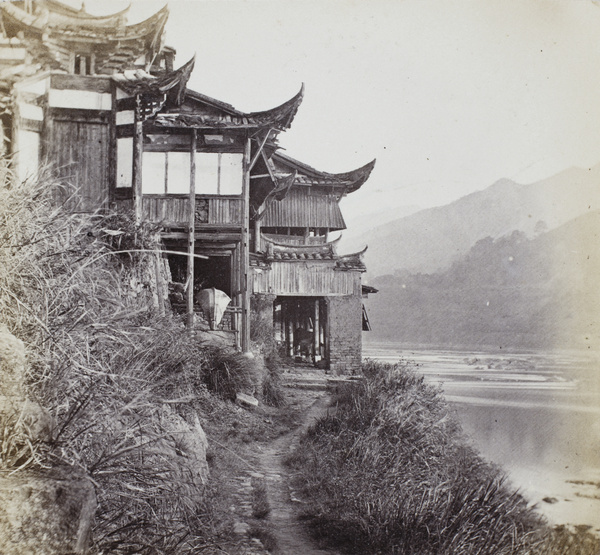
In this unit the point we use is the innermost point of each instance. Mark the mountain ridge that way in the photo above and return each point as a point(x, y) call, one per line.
point(512, 291)
point(431, 239)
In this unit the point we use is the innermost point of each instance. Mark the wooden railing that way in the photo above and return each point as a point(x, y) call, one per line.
point(210, 210)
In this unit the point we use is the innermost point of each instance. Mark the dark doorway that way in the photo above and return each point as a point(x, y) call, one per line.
point(300, 325)
point(214, 271)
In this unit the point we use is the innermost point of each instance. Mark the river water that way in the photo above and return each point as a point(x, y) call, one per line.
point(537, 415)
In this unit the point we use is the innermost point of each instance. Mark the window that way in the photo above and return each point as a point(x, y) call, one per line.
point(153, 173)
point(169, 173)
point(82, 64)
point(219, 173)
point(178, 174)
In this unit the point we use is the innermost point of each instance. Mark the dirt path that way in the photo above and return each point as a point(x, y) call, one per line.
point(291, 536)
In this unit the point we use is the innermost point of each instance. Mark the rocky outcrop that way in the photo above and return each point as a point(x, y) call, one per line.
point(185, 446)
point(41, 511)
point(47, 513)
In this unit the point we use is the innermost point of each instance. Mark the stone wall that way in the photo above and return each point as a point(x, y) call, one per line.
point(345, 334)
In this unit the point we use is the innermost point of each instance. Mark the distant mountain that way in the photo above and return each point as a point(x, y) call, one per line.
point(363, 223)
point(432, 239)
point(511, 292)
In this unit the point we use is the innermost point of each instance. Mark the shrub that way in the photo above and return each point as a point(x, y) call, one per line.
point(227, 372)
point(124, 385)
point(388, 471)
point(271, 387)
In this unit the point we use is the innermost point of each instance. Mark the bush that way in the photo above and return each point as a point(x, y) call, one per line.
point(125, 387)
point(388, 471)
point(227, 372)
point(272, 392)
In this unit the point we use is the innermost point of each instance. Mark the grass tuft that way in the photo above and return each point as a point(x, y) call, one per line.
point(388, 471)
point(125, 388)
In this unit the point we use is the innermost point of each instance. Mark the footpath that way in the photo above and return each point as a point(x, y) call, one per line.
point(284, 533)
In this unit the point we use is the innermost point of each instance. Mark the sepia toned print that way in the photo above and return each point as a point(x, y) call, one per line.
point(299, 277)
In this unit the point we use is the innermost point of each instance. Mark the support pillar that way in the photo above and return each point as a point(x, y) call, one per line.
point(191, 235)
point(245, 258)
point(138, 150)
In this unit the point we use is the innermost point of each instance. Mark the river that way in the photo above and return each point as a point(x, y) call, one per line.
point(537, 415)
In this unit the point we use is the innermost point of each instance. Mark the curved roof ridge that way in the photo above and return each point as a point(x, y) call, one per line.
point(354, 255)
point(352, 180)
point(81, 13)
point(163, 13)
point(282, 115)
point(139, 82)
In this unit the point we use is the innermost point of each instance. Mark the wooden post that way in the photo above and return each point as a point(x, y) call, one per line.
point(191, 235)
point(316, 332)
point(245, 258)
point(159, 284)
point(138, 149)
point(290, 334)
point(235, 290)
point(257, 245)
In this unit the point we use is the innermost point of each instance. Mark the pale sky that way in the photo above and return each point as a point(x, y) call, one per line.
point(448, 95)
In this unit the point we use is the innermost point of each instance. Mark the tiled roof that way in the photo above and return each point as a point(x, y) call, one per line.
point(141, 82)
point(307, 175)
point(279, 252)
point(52, 33)
point(299, 255)
point(351, 261)
point(279, 118)
point(289, 252)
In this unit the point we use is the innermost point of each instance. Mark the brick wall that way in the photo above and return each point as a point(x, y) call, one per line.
point(345, 333)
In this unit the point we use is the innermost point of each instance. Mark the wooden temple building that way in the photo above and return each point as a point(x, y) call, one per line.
point(100, 101)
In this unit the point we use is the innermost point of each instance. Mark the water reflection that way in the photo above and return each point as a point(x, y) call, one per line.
point(536, 414)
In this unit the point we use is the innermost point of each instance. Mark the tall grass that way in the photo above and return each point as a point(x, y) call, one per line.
point(388, 472)
point(126, 387)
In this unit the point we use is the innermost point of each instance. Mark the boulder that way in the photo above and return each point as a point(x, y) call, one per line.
point(246, 400)
point(48, 513)
point(186, 446)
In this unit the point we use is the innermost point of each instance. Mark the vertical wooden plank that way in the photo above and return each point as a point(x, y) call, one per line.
point(138, 148)
point(257, 242)
point(112, 145)
point(316, 333)
point(191, 235)
point(246, 251)
point(219, 157)
point(236, 280)
point(159, 285)
point(289, 329)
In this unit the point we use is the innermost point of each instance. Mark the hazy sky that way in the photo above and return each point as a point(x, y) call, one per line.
point(448, 95)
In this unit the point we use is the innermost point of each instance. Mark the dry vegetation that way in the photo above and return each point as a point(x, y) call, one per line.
point(389, 472)
point(126, 389)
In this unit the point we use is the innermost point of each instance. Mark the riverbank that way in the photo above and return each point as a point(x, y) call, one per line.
point(388, 471)
point(535, 414)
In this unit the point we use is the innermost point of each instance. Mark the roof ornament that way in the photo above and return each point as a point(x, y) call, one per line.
point(171, 86)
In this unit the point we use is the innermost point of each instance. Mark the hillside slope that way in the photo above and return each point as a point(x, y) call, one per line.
point(432, 239)
point(509, 292)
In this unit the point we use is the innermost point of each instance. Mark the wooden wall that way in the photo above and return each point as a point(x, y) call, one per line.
point(78, 145)
point(305, 279)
